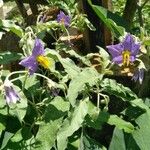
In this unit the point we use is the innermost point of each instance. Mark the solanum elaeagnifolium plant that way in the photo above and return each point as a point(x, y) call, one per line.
point(56, 102)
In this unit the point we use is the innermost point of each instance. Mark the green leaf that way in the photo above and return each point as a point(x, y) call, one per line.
point(96, 118)
point(53, 116)
point(11, 26)
point(88, 143)
point(16, 30)
point(139, 103)
point(7, 137)
point(82, 58)
point(8, 57)
point(56, 109)
point(46, 135)
point(67, 63)
point(72, 124)
point(146, 42)
point(112, 87)
point(77, 84)
point(142, 132)
point(110, 19)
point(17, 136)
point(105, 57)
point(70, 67)
point(118, 140)
point(120, 123)
point(123, 141)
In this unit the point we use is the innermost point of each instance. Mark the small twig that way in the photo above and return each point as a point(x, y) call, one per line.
point(140, 16)
point(144, 4)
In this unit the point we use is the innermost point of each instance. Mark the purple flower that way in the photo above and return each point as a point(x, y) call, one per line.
point(124, 52)
point(37, 56)
point(64, 19)
point(139, 75)
point(10, 94)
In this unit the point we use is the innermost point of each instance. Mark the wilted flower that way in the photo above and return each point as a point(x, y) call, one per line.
point(10, 94)
point(42, 18)
point(64, 19)
point(55, 91)
point(139, 75)
point(124, 52)
point(37, 56)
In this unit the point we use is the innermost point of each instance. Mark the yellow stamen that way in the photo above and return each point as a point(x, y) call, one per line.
point(43, 61)
point(126, 57)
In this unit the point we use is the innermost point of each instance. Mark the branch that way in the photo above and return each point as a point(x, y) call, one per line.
point(129, 11)
point(22, 9)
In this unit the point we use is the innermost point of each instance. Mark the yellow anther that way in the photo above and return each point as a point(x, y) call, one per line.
point(43, 61)
point(126, 57)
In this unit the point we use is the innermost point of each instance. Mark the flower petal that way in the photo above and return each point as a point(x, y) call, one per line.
point(11, 95)
point(141, 75)
point(135, 76)
point(135, 49)
point(38, 48)
point(132, 58)
point(118, 59)
point(128, 41)
point(115, 50)
point(30, 63)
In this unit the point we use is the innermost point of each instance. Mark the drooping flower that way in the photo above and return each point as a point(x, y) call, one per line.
point(124, 52)
point(10, 94)
point(139, 75)
point(64, 19)
point(36, 57)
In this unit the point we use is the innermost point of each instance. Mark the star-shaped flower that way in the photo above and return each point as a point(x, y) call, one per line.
point(64, 19)
point(10, 94)
point(36, 57)
point(124, 52)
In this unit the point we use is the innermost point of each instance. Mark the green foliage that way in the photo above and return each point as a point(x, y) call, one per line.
point(87, 76)
point(9, 57)
point(114, 22)
point(72, 124)
point(71, 104)
point(121, 124)
point(141, 134)
point(112, 87)
point(11, 26)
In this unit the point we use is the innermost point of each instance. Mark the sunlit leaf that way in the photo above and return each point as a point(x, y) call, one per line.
point(89, 76)
point(120, 123)
point(88, 143)
point(109, 19)
point(7, 137)
point(72, 124)
point(8, 57)
point(142, 132)
point(112, 87)
point(117, 140)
